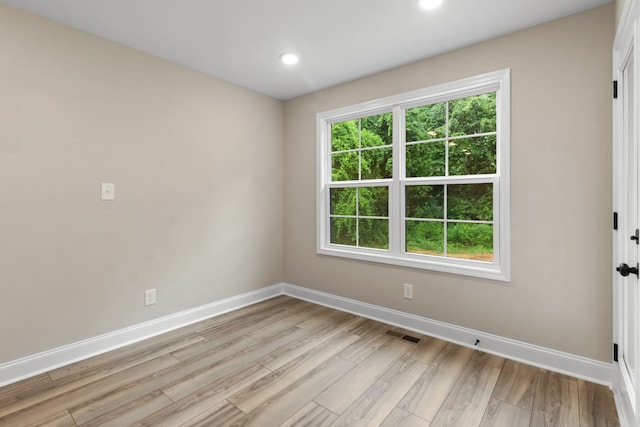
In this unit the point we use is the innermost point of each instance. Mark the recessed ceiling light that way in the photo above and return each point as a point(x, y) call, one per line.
point(289, 58)
point(430, 4)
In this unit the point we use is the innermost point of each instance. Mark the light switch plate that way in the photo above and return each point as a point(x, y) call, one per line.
point(107, 191)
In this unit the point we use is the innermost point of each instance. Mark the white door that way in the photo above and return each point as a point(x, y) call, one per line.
point(626, 292)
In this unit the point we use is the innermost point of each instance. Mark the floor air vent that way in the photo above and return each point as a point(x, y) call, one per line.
point(409, 338)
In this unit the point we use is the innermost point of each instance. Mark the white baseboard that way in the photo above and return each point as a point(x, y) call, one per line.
point(625, 412)
point(553, 360)
point(29, 366)
point(576, 366)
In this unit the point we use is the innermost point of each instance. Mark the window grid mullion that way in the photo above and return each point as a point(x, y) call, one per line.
point(445, 217)
point(396, 211)
point(359, 151)
point(357, 216)
point(446, 139)
point(359, 179)
point(451, 138)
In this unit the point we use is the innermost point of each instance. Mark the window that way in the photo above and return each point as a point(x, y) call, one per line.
point(420, 179)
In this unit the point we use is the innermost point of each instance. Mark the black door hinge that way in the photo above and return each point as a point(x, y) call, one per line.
point(615, 220)
point(615, 89)
point(615, 352)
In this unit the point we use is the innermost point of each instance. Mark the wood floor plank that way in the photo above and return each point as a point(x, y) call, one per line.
point(556, 401)
point(349, 388)
point(127, 356)
point(597, 407)
point(187, 384)
point(24, 389)
point(204, 402)
point(242, 326)
point(205, 347)
point(29, 415)
point(362, 327)
point(87, 372)
point(468, 400)
point(296, 348)
point(503, 414)
point(311, 415)
point(279, 407)
point(517, 384)
point(329, 317)
point(61, 419)
point(402, 418)
point(297, 315)
point(222, 415)
point(220, 376)
point(104, 370)
point(196, 372)
point(183, 416)
point(432, 388)
point(362, 349)
point(270, 304)
point(245, 322)
point(280, 379)
point(130, 412)
point(427, 349)
point(276, 328)
point(375, 405)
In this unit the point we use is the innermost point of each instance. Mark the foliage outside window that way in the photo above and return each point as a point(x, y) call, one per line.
point(420, 179)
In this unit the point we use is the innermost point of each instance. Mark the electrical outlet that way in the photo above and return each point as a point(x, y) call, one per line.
point(408, 291)
point(107, 191)
point(150, 297)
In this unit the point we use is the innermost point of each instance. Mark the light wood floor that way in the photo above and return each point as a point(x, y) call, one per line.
point(285, 362)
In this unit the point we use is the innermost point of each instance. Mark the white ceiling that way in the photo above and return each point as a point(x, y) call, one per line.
point(338, 40)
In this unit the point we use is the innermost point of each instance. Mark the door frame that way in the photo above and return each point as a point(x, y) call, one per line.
point(626, 39)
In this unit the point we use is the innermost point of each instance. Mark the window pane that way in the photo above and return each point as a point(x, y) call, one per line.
point(343, 201)
point(472, 115)
point(343, 231)
point(427, 122)
point(425, 237)
point(344, 166)
point(470, 202)
point(374, 233)
point(470, 241)
point(377, 163)
point(472, 156)
point(344, 135)
point(377, 130)
point(426, 159)
point(373, 201)
point(424, 201)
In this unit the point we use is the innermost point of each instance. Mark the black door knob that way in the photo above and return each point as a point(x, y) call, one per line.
point(625, 270)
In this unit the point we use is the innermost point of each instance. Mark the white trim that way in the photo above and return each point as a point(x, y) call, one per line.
point(625, 411)
point(29, 366)
point(499, 268)
point(553, 360)
point(625, 41)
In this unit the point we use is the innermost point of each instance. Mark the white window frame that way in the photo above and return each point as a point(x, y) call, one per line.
point(499, 268)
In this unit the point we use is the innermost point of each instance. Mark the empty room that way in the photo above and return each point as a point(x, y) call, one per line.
point(339, 213)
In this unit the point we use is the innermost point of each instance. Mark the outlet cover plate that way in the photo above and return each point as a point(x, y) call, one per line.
point(149, 297)
point(408, 291)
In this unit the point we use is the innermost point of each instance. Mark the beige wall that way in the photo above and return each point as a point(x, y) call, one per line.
point(559, 296)
point(197, 164)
